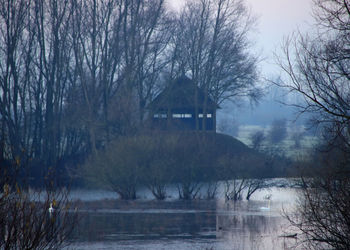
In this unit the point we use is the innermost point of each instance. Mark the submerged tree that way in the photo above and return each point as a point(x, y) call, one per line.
point(39, 220)
point(121, 167)
point(322, 214)
point(31, 219)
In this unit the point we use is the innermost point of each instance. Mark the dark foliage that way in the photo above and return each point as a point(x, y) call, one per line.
point(188, 159)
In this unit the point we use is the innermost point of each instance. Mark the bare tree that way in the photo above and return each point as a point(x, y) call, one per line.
point(27, 223)
point(322, 214)
point(211, 44)
point(257, 139)
point(76, 74)
point(121, 167)
point(254, 185)
point(118, 53)
point(230, 174)
point(234, 189)
point(15, 61)
point(317, 68)
point(34, 62)
point(51, 25)
point(96, 40)
point(34, 219)
point(297, 134)
point(278, 131)
point(146, 33)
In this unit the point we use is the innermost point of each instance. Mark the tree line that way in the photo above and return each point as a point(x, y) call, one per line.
point(76, 74)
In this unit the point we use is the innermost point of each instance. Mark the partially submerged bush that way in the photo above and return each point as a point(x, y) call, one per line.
point(322, 214)
point(155, 160)
point(36, 220)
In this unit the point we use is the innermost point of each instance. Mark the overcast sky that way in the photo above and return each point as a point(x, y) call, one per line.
point(276, 19)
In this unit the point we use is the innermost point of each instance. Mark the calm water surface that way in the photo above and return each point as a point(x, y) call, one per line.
point(146, 224)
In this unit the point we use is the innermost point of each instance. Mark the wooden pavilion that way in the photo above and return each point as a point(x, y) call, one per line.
point(183, 106)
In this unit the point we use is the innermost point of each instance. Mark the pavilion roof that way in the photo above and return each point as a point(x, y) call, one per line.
point(180, 94)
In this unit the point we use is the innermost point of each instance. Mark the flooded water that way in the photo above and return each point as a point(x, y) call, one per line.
point(200, 224)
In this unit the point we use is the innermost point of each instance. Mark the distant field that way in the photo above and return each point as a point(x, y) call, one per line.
point(288, 145)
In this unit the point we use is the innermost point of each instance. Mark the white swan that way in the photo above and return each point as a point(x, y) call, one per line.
point(51, 209)
point(267, 197)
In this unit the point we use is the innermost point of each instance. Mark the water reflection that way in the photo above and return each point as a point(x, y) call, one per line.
point(181, 225)
point(163, 220)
